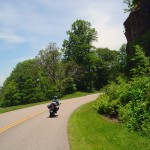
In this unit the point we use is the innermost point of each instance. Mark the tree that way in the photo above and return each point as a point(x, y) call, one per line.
point(141, 63)
point(49, 60)
point(79, 47)
point(123, 59)
point(80, 41)
point(26, 84)
point(107, 66)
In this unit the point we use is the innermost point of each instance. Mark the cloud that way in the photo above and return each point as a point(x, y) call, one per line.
point(47, 21)
point(26, 26)
point(11, 38)
point(107, 19)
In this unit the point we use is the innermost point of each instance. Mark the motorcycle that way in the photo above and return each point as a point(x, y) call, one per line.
point(53, 108)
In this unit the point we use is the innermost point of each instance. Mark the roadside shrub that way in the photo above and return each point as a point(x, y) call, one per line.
point(130, 102)
point(101, 105)
point(106, 107)
point(136, 113)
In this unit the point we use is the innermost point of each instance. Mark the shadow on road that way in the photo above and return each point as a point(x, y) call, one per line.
point(52, 117)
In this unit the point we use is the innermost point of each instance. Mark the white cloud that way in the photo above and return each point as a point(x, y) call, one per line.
point(51, 23)
point(111, 38)
point(107, 19)
point(12, 38)
point(26, 26)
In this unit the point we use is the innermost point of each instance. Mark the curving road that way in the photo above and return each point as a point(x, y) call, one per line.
point(32, 129)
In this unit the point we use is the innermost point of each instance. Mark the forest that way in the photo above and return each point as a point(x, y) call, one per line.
point(79, 66)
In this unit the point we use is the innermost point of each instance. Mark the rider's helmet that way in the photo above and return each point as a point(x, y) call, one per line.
point(55, 97)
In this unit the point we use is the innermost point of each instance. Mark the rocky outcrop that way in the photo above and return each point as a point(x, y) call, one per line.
point(138, 25)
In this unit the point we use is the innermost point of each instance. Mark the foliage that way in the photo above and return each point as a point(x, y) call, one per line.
point(72, 71)
point(78, 48)
point(109, 103)
point(82, 68)
point(106, 107)
point(107, 65)
point(128, 101)
point(68, 86)
point(26, 84)
point(78, 66)
point(132, 4)
point(136, 111)
point(123, 59)
point(141, 63)
point(49, 60)
point(80, 41)
point(67, 96)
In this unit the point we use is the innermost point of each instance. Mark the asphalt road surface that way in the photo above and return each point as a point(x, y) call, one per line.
point(32, 129)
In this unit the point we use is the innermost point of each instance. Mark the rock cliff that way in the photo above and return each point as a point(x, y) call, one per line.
point(137, 27)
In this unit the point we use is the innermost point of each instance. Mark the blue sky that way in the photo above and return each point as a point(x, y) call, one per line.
point(27, 26)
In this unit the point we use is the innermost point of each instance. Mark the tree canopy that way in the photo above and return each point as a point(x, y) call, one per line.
point(79, 42)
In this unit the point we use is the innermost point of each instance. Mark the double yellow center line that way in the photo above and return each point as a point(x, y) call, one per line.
point(28, 117)
point(20, 121)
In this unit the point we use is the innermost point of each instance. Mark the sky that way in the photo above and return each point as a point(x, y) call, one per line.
point(27, 26)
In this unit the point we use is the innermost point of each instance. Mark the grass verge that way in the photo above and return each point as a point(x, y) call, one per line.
point(89, 131)
point(76, 94)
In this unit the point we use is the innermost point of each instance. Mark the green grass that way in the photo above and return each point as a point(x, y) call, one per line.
point(76, 94)
point(90, 131)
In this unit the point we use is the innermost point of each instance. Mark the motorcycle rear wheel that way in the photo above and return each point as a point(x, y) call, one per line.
point(51, 115)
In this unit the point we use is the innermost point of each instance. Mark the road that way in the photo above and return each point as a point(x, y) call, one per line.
point(32, 129)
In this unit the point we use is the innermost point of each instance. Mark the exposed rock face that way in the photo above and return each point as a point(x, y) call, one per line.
point(138, 24)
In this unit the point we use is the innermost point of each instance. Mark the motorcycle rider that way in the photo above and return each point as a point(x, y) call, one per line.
point(55, 100)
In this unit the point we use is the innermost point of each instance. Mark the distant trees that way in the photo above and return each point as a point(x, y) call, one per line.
point(78, 66)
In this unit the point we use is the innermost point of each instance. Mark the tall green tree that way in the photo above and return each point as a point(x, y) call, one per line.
point(78, 48)
point(141, 63)
point(80, 41)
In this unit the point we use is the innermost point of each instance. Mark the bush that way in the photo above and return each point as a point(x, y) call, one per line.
point(129, 101)
point(137, 110)
point(104, 106)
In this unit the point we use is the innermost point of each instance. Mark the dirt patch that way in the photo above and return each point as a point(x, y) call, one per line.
point(111, 119)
